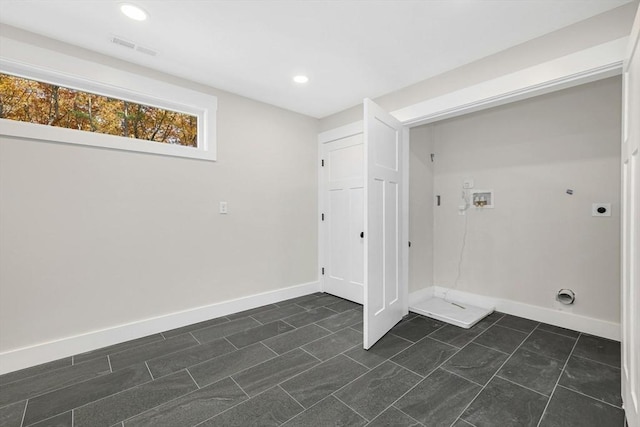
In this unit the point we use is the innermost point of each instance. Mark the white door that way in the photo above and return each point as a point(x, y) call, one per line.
point(631, 230)
point(343, 217)
point(385, 292)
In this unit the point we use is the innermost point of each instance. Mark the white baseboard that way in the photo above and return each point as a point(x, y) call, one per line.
point(46, 352)
point(563, 319)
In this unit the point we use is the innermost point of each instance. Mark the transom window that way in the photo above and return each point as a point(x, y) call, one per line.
point(88, 104)
point(31, 101)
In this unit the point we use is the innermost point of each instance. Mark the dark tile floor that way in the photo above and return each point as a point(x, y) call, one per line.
point(300, 363)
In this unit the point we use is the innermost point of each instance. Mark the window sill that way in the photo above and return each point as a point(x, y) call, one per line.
point(12, 128)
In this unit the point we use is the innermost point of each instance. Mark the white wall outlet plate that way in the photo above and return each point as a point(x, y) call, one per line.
point(224, 208)
point(601, 209)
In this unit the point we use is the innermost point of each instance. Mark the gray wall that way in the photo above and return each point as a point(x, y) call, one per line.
point(94, 238)
point(421, 204)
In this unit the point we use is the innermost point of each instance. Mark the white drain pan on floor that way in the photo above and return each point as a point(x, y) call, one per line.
point(455, 313)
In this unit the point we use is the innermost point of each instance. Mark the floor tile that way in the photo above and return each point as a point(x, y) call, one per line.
point(54, 380)
point(116, 348)
point(62, 420)
point(594, 379)
point(488, 321)
point(505, 404)
point(11, 415)
point(476, 363)
point(455, 336)
point(312, 386)
point(393, 417)
point(321, 301)
point(310, 316)
point(549, 344)
point(120, 406)
point(342, 320)
point(192, 408)
point(439, 399)
point(388, 346)
point(461, 423)
point(224, 329)
point(267, 374)
point(344, 305)
point(271, 408)
point(178, 360)
point(146, 352)
point(297, 300)
point(417, 328)
point(334, 344)
point(373, 392)
point(357, 327)
point(568, 408)
point(329, 412)
point(502, 339)
point(251, 312)
point(532, 370)
point(63, 400)
point(231, 363)
point(495, 316)
point(44, 368)
point(599, 349)
point(320, 363)
point(194, 327)
point(424, 356)
point(278, 313)
point(296, 338)
point(558, 330)
point(518, 323)
point(259, 333)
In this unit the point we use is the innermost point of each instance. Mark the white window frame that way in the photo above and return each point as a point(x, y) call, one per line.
point(131, 87)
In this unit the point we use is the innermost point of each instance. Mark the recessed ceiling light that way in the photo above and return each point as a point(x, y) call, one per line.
point(133, 12)
point(300, 79)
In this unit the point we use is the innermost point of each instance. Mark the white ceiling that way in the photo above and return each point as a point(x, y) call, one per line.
point(350, 49)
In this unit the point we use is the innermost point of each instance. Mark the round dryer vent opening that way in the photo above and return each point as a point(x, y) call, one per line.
point(566, 296)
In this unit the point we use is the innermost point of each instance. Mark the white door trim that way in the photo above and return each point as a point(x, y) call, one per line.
point(323, 138)
point(630, 242)
point(342, 218)
point(405, 218)
point(321, 207)
point(341, 132)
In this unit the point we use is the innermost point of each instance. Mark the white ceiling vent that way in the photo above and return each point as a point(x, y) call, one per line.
point(131, 45)
point(122, 42)
point(146, 50)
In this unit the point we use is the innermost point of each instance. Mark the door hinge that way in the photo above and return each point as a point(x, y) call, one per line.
point(323, 271)
point(322, 163)
point(409, 243)
point(323, 217)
